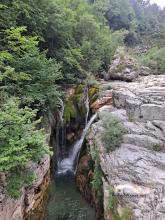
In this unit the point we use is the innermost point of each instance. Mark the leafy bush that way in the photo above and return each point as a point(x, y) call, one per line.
point(158, 147)
point(112, 133)
point(20, 141)
point(155, 59)
point(26, 72)
point(112, 200)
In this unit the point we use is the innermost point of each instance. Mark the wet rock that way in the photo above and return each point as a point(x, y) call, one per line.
point(84, 176)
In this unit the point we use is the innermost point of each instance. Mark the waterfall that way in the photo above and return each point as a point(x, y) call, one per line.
point(68, 164)
point(87, 106)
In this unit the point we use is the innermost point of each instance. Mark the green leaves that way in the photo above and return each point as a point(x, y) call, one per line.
point(27, 72)
point(20, 141)
point(155, 59)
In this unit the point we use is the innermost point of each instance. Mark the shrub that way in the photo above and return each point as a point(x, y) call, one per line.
point(20, 141)
point(112, 133)
point(112, 204)
point(155, 59)
point(17, 180)
point(158, 147)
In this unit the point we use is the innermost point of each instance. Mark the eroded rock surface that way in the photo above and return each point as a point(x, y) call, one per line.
point(17, 209)
point(124, 67)
point(136, 169)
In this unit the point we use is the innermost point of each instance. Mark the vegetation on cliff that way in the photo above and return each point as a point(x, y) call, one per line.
point(112, 133)
point(48, 43)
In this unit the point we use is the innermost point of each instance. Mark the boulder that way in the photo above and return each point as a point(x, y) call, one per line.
point(123, 67)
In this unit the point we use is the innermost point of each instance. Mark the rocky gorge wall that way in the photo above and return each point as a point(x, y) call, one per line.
point(134, 173)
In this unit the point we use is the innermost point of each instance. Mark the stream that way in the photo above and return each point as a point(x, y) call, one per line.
point(65, 202)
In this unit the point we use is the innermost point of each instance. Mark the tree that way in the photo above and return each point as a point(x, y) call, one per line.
point(27, 72)
point(20, 140)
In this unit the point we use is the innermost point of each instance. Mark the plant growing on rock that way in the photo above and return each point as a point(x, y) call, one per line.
point(126, 212)
point(158, 147)
point(97, 182)
point(112, 133)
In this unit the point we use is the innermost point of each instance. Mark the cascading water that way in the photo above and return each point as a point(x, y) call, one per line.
point(68, 164)
point(64, 202)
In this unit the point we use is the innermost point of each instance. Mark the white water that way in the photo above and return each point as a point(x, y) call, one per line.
point(68, 164)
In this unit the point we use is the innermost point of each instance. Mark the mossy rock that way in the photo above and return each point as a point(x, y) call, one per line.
point(79, 89)
point(69, 111)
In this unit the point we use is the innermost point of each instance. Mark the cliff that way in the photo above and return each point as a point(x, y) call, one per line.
point(135, 171)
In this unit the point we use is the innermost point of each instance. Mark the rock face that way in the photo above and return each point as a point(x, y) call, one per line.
point(18, 209)
point(136, 169)
point(84, 176)
point(125, 68)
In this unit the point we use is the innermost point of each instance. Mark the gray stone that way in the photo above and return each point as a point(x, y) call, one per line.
point(136, 170)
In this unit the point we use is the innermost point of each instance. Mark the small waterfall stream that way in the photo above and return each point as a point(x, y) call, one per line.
point(65, 202)
point(68, 164)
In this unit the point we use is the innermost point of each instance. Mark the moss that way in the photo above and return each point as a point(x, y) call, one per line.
point(93, 94)
point(69, 111)
point(79, 89)
point(126, 214)
point(97, 180)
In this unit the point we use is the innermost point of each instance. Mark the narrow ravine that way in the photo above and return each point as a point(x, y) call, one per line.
point(65, 202)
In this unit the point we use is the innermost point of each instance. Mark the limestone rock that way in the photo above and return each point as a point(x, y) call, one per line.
point(136, 169)
point(123, 67)
point(16, 209)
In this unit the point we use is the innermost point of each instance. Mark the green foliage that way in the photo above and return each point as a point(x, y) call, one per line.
point(140, 18)
point(112, 204)
point(17, 180)
point(155, 59)
point(126, 214)
point(28, 73)
point(112, 133)
point(20, 141)
point(78, 39)
point(69, 111)
point(97, 181)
